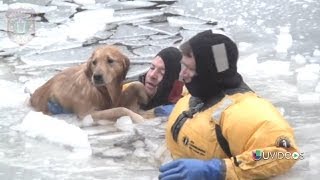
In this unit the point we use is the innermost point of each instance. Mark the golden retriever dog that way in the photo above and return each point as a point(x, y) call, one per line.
point(87, 88)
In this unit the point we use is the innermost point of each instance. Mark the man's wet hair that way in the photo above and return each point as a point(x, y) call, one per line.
point(186, 49)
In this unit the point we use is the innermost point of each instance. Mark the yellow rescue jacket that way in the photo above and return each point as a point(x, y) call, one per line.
point(248, 123)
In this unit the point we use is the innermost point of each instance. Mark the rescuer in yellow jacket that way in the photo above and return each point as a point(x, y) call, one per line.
point(223, 130)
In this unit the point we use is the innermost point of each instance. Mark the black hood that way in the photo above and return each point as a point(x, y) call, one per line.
point(216, 58)
point(171, 57)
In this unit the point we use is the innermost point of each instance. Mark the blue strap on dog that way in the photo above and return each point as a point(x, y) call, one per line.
point(56, 108)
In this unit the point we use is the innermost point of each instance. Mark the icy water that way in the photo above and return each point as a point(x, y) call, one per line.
point(280, 59)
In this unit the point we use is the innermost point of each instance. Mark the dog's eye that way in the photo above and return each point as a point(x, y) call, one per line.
point(94, 62)
point(110, 61)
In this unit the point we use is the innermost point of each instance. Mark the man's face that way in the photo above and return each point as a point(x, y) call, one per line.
point(188, 68)
point(154, 76)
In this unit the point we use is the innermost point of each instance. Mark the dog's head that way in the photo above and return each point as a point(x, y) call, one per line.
point(107, 64)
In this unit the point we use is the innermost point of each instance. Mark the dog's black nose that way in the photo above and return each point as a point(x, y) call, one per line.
point(97, 77)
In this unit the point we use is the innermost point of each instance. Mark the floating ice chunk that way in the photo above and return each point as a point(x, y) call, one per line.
point(284, 40)
point(37, 2)
point(162, 154)
point(38, 9)
point(60, 15)
point(124, 123)
point(102, 129)
point(136, 43)
point(159, 37)
point(31, 86)
point(132, 17)
point(177, 21)
point(87, 121)
point(307, 130)
point(94, 16)
point(318, 88)
point(138, 144)
point(65, 56)
point(151, 145)
point(198, 27)
point(269, 30)
point(299, 59)
point(3, 7)
point(84, 2)
point(11, 94)
point(59, 46)
point(116, 152)
point(46, 37)
point(125, 41)
point(163, 28)
point(244, 46)
point(248, 64)
point(122, 32)
point(137, 69)
point(94, 6)
point(240, 21)
point(137, 4)
point(131, 12)
point(125, 50)
point(186, 34)
point(275, 68)
point(6, 43)
point(90, 22)
point(260, 22)
point(63, 3)
point(199, 4)
point(98, 36)
point(313, 68)
point(147, 51)
point(140, 152)
point(307, 77)
point(309, 98)
point(3, 25)
point(38, 125)
point(163, 43)
point(316, 52)
point(122, 138)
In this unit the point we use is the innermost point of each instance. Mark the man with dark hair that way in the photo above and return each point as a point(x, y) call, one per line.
point(163, 78)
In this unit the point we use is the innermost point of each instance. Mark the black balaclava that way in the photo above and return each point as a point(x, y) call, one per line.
point(216, 58)
point(171, 57)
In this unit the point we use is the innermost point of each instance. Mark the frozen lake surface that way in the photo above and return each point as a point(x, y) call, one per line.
point(279, 44)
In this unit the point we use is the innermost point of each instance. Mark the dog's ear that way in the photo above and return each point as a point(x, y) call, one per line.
point(126, 65)
point(88, 70)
